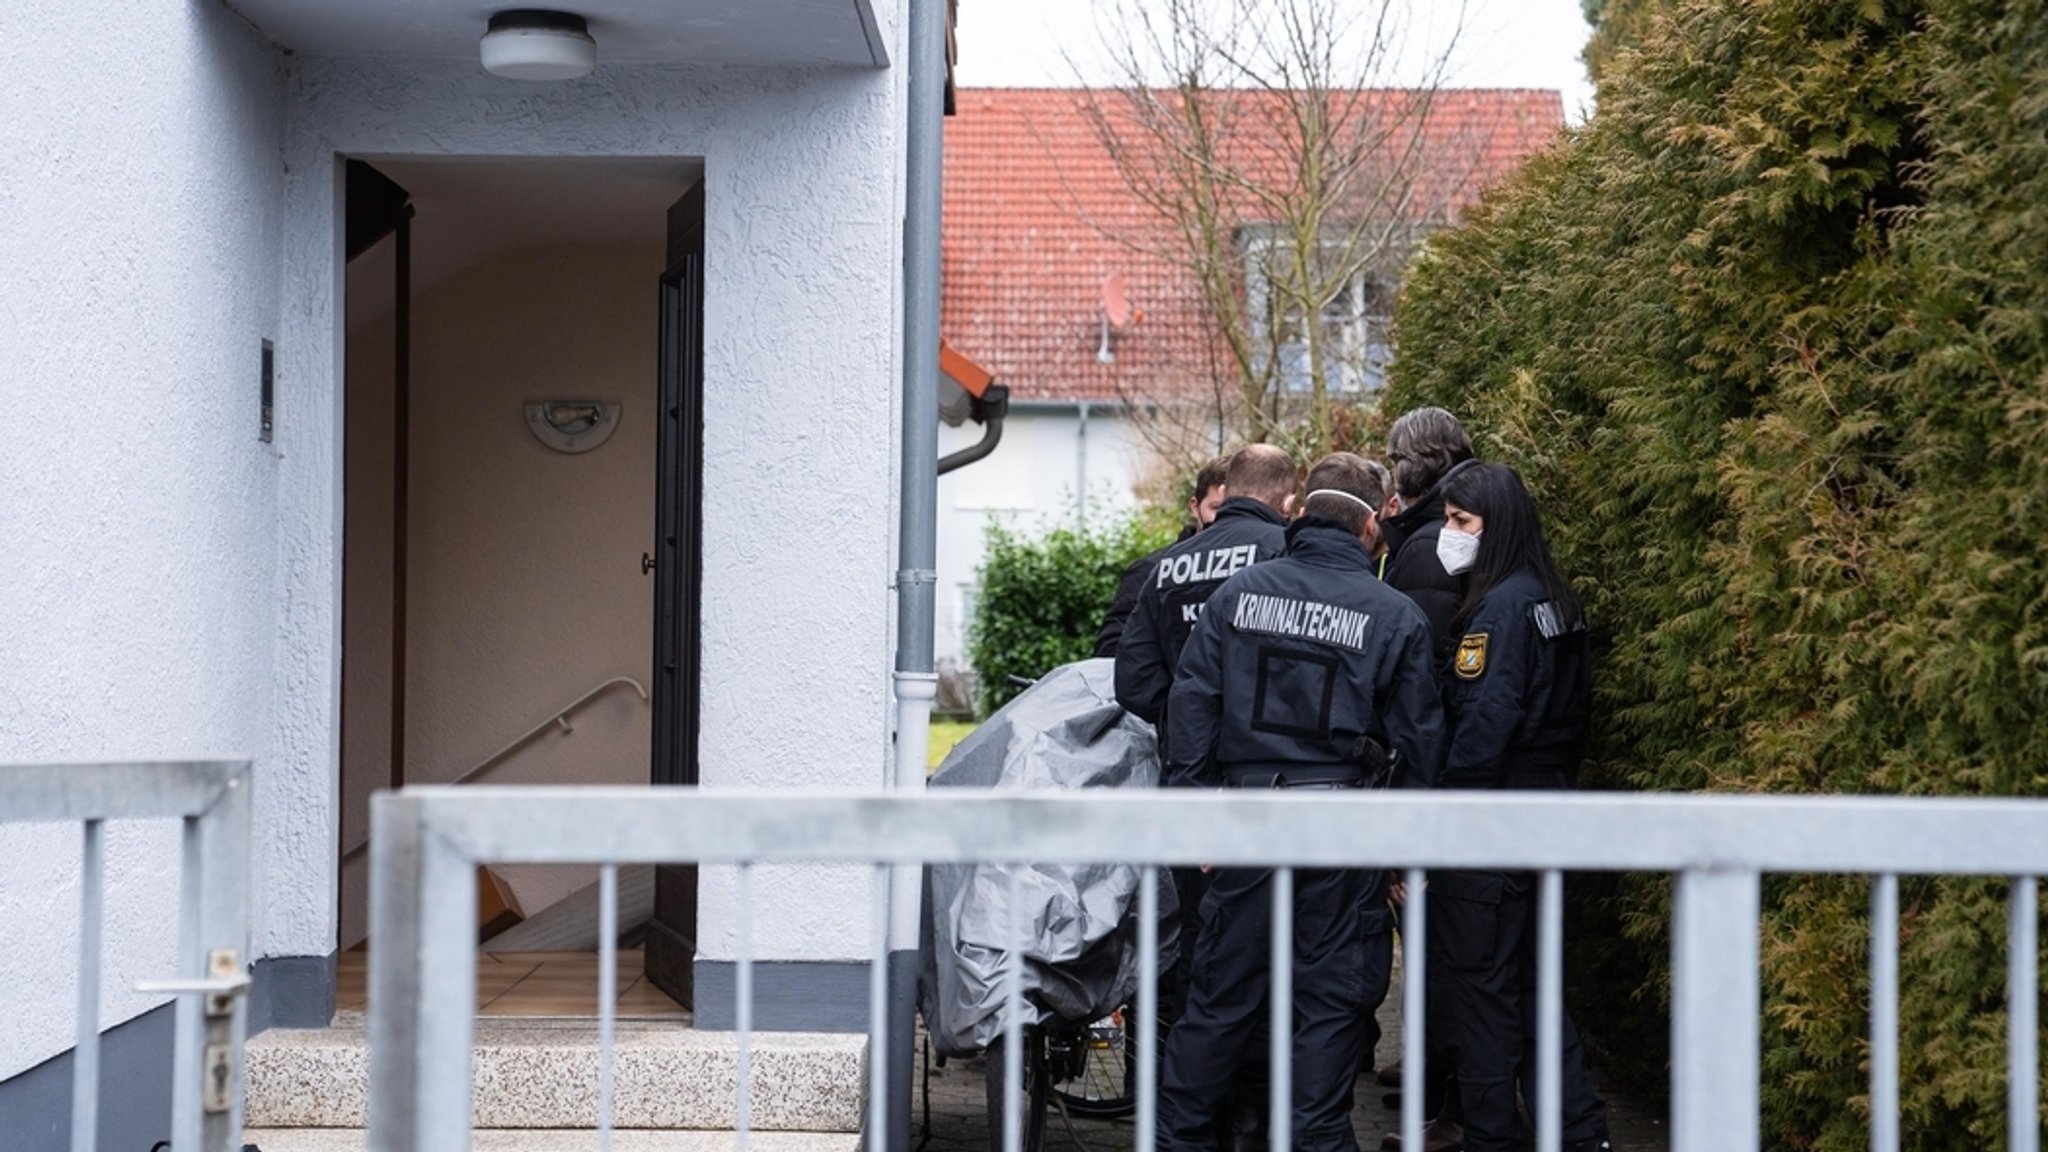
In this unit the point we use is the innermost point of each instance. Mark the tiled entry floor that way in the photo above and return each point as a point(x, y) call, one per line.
point(531, 984)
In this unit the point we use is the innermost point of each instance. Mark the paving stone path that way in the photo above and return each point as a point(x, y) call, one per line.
point(959, 1118)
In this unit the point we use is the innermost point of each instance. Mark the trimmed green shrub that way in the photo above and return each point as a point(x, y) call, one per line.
point(1769, 338)
point(1041, 599)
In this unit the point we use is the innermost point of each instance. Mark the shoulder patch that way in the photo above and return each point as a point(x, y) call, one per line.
point(1470, 663)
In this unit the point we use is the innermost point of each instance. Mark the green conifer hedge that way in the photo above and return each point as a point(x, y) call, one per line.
point(1769, 338)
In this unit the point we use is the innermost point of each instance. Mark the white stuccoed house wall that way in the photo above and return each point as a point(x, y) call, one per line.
point(139, 515)
point(1029, 482)
point(800, 412)
point(169, 587)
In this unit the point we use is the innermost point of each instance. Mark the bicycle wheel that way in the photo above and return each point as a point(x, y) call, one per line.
point(1094, 1072)
point(1032, 1128)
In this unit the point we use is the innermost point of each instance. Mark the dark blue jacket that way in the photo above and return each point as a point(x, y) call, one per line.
point(1244, 532)
point(1518, 690)
point(1412, 565)
point(1135, 576)
point(1295, 659)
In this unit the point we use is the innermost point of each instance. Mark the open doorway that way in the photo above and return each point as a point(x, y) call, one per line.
point(519, 520)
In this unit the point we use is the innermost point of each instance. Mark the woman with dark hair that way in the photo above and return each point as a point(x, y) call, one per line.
point(1516, 697)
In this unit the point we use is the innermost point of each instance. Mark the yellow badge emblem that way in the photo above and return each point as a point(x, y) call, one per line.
point(1471, 661)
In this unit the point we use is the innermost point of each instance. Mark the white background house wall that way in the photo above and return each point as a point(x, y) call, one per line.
point(140, 210)
point(803, 178)
point(1030, 482)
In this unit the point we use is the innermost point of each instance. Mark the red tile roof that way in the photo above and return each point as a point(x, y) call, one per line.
point(1037, 218)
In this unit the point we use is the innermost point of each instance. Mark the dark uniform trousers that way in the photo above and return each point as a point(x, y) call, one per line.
point(1342, 951)
point(1243, 1116)
point(1482, 1007)
point(1189, 886)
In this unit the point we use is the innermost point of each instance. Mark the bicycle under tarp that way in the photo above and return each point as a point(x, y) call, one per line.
point(1072, 929)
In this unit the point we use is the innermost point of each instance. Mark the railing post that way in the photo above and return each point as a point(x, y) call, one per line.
point(85, 1061)
point(1716, 1012)
point(1280, 1029)
point(1148, 1008)
point(1549, 1105)
point(1414, 1006)
point(447, 1009)
point(228, 860)
point(1884, 1013)
point(395, 964)
point(206, 1096)
point(2023, 1036)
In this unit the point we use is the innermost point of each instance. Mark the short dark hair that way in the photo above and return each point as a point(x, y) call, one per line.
point(1262, 472)
point(1511, 539)
point(1210, 478)
point(1354, 476)
point(1422, 446)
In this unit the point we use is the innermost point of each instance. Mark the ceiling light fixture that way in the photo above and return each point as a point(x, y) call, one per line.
point(536, 44)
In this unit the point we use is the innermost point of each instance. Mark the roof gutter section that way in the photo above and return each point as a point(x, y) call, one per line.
point(990, 408)
point(917, 541)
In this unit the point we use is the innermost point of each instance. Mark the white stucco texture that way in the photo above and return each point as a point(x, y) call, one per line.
point(140, 216)
point(171, 588)
point(803, 189)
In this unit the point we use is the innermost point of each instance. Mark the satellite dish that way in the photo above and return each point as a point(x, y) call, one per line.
point(1116, 303)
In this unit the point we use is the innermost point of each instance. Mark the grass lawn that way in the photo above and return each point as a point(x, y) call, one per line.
point(945, 734)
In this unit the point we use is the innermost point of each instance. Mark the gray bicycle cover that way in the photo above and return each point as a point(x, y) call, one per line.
point(1079, 921)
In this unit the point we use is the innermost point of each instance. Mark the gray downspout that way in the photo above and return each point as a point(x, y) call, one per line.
point(916, 682)
point(1081, 467)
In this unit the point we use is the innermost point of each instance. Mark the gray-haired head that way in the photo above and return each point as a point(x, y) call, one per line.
point(1422, 446)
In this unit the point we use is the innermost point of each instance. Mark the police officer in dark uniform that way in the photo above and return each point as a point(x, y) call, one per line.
point(1425, 448)
point(1302, 673)
point(1250, 526)
point(1517, 695)
point(1203, 504)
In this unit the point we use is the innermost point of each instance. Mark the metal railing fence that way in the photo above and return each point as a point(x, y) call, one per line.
point(430, 840)
point(212, 800)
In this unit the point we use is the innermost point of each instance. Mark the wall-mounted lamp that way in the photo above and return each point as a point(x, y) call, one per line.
point(536, 44)
point(572, 425)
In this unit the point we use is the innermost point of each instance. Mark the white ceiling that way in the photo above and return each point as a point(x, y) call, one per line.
point(626, 31)
point(469, 209)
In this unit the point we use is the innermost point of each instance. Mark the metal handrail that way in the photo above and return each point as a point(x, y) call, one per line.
point(561, 717)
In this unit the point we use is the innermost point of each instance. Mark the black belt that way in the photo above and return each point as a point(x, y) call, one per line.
point(1325, 777)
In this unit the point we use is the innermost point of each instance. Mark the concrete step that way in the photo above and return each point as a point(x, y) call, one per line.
point(542, 1073)
point(543, 1140)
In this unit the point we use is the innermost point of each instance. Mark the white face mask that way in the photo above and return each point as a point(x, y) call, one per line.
point(1456, 549)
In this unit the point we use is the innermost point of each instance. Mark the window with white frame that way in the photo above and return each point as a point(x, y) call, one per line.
point(1352, 324)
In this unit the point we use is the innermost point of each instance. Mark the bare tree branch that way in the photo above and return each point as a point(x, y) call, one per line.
point(1287, 185)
